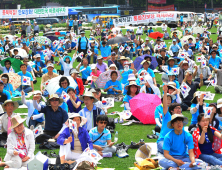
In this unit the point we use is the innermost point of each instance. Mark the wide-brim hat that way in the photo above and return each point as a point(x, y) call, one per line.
point(131, 77)
point(54, 96)
point(16, 105)
point(122, 58)
point(174, 116)
point(99, 57)
point(132, 83)
point(146, 48)
point(172, 84)
point(194, 96)
point(219, 103)
point(15, 121)
point(143, 152)
point(88, 94)
point(112, 65)
point(82, 32)
point(72, 115)
point(144, 61)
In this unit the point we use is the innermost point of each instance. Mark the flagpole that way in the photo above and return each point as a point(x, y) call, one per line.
point(208, 85)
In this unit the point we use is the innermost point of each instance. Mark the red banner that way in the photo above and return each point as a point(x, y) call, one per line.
point(163, 8)
point(157, 1)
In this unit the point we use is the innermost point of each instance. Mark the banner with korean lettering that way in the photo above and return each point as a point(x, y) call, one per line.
point(157, 1)
point(34, 13)
point(162, 8)
point(137, 19)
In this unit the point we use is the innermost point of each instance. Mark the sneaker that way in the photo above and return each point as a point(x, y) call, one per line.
point(121, 153)
point(32, 127)
point(107, 155)
point(116, 120)
point(121, 120)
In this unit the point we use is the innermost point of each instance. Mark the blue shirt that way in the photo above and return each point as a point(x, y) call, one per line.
point(29, 68)
point(174, 48)
point(215, 62)
point(195, 115)
point(27, 74)
point(111, 83)
point(86, 73)
point(94, 134)
point(150, 71)
point(54, 120)
point(206, 148)
point(164, 130)
point(125, 75)
point(7, 94)
point(61, 89)
point(89, 115)
point(70, 23)
point(159, 112)
point(177, 145)
point(181, 18)
point(126, 99)
point(149, 31)
point(83, 43)
point(72, 109)
point(105, 51)
point(8, 87)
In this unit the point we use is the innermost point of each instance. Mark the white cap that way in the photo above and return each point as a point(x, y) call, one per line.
point(37, 56)
point(93, 66)
point(37, 92)
point(50, 65)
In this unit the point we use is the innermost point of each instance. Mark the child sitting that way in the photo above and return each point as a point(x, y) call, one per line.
point(101, 137)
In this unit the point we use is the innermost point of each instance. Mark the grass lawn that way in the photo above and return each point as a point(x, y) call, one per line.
point(127, 134)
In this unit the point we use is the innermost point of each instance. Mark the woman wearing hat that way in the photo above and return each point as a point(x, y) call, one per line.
point(34, 117)
point(149, 87)
point(132, 90)
point(146, 65)
point(207, 142)
point(72, 145)
point(7, 86)
point(174, 91)
point(20, 139)
point(176, 144)
point(113, 86)
point(55, 116)
point(126, 71)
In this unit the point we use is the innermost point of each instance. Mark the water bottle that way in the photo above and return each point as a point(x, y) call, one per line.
point(116, 137)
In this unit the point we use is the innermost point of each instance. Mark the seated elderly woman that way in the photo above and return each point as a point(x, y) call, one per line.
point(113, 86)
point(20, 145)
point(72, 145)
point(64, 85)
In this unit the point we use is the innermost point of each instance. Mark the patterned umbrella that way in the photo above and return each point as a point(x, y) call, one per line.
point(184, 40)
point(179, 33)
point(14, 79)
point(15, 64)
point(104, 77)
point(43, 40)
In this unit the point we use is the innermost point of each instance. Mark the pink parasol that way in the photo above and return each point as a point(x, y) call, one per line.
point(143, 107)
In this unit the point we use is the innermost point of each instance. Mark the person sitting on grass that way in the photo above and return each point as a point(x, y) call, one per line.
point(168, 110)
point(72, 145)
point(101, 137)
point(7, 68)
point(176, 144)
point(205, 137)
point(218, 87)
point(74, 104)
point(64, 85)
point(90, 111)
point(113, 86)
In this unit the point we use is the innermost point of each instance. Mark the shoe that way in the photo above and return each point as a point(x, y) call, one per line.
point(45, 153)
point(155, 136)
point(53, 154)
point(150, 136)
point(141, 142)
point(133, 145)
point(116, 120)
point(121, 120)
point(121, 153)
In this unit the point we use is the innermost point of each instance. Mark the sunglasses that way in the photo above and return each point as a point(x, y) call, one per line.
point(54, 100)
point(104, 122)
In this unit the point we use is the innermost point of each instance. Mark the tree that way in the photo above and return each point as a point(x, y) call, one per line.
point(29, 3)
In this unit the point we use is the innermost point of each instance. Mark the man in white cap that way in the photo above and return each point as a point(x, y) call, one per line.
point(9, 107)
point(101, 65)
point(174, 47)
point(47, 77)
point(90, 111)
point(39, 65)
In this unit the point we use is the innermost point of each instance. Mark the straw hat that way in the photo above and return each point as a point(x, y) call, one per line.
point(15, 121)
point(144, 62)
point(88, 94)
point(122, 58)
point(174, 116)
point(172, 84)
point(99, 57)
point(54, 96)
point(194, 95)
point(48, 25)
point(132, 83)
point(219, 103)
point(16, 105)
point(113, 65)
point(143, 152)
point(146, 48)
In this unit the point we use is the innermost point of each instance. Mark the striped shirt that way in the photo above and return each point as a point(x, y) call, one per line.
point(94, 134)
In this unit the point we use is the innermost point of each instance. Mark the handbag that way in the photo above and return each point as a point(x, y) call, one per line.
point(85, 165)
point(146, 164)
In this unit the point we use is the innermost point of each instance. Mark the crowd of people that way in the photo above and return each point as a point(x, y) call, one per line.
point(179, 147)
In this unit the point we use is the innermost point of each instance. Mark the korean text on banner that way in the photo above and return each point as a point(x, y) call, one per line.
point(157, 1)
point(164, 8)
point(34, 13)
point(136, 19)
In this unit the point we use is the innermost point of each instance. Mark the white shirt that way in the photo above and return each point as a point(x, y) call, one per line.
point(4, 120)
point(213, 16)
point(66, 66)
point(139, 31)
point(18, 45)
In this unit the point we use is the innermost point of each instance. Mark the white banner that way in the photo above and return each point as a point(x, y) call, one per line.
point(34, 13)
point(136, 19)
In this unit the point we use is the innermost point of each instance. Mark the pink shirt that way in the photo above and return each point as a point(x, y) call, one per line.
point(97, 75)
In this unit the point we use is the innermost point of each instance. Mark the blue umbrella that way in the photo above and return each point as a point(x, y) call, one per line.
point(139, 59)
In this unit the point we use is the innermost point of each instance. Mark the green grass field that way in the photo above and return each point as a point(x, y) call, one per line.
point(134, 132)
